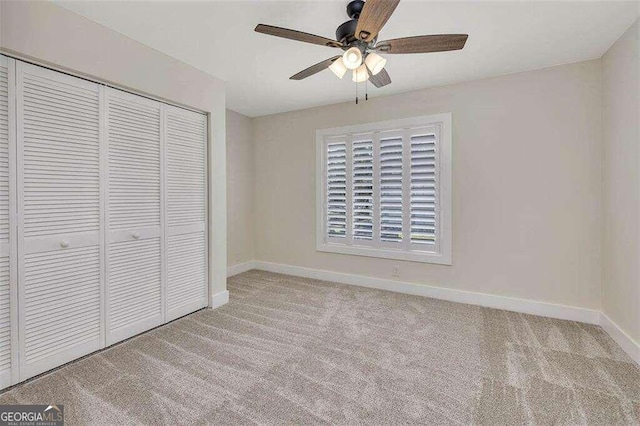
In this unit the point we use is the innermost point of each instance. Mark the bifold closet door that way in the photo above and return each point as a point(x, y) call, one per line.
point(59, 211)
point(135, 300)
point(8, 299)
point(186, 186)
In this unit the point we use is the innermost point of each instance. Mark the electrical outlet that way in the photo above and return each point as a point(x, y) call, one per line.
point(395, 272)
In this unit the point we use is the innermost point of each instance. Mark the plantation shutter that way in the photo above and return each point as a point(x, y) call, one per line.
point(336, 189)
point(424, 196)
point(186, 165)
point(391, 200)
point(134, 231)
point(59, 227)
point(363, 203)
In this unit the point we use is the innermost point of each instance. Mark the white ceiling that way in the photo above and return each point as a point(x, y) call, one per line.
point(217, 37)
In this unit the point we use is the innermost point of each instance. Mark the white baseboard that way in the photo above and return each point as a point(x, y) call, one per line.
point(219, 299)
point(544, 309)
point(240, 268)
point(621, 338)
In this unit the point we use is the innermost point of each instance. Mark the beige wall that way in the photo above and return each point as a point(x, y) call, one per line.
point(621, 191)
point(526, 176)
point(52, 35)
point(240, 186)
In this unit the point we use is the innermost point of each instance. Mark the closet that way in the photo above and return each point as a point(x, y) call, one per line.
point(102, 217)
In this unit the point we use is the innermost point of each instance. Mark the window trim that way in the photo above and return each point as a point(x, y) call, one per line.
point(443, 256)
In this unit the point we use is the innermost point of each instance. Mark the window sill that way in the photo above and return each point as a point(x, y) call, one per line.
point(386, 253)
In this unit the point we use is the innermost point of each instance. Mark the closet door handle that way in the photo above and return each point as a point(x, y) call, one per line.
point(64, 243)
point(135, 235)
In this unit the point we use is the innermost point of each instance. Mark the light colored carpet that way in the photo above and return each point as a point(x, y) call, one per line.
point(289, 350)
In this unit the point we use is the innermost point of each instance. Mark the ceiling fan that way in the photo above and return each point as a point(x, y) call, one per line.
point(358, 37)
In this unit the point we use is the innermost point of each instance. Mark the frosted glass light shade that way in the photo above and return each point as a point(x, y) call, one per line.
point(338, 68)
point(352, 58)
point(375, 63)
point(360, 74)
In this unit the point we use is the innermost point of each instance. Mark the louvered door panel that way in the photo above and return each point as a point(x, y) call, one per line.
point(186, 164)
point(5, 323)
point(186, 272)
point(391, 189)
point(8, 301)
point(185, 137)
point(59, 193)
point(63, 310)
point(134, 222)
point(134, 287)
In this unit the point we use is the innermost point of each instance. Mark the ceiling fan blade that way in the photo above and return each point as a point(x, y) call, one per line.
point(423, 44)
point(296, 35)
point(374, 15)
point(313, 69)
point(381, 79)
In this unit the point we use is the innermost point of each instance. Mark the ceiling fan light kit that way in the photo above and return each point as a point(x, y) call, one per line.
point(338, 67)
point(375, 62)
point(360, 74)
point(352, 58)
point(358, 37)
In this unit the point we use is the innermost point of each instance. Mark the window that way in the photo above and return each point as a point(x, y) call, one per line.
point(384, 189)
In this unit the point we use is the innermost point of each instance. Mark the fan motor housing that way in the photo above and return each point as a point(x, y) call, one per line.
point(345, 32)
point(354, 8)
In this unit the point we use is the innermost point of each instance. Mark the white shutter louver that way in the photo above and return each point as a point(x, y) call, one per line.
point(336, 190)
point(362, 190)
point(391, 205)
point(186, 159)
point(423, 188)
point(59, 218)
point(134, 252)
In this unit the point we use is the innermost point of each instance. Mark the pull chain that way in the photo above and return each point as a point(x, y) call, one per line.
point(366, 90)
point(356, 93)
